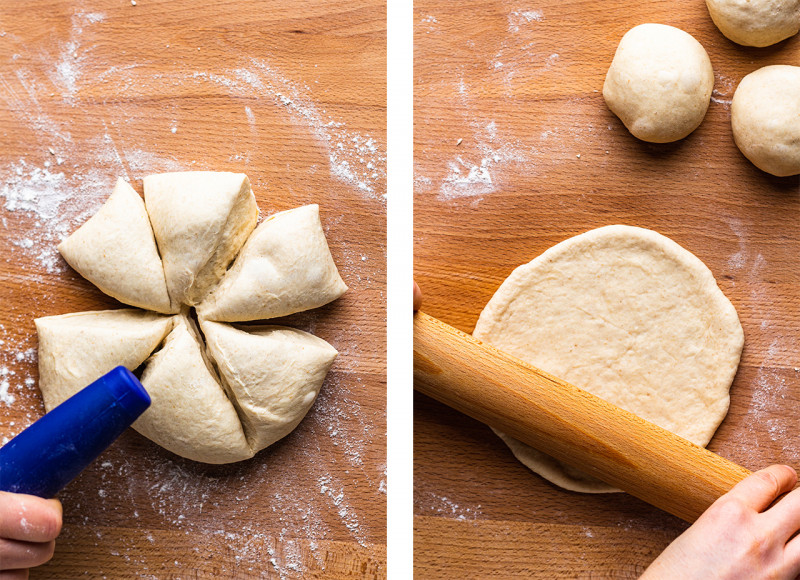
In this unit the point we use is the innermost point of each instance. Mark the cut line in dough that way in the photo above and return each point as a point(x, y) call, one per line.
point(219, 398)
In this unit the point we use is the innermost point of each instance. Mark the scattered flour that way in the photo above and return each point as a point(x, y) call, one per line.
point(738, 260)
point(355, 159)
point(716, 97)
point(428, 23)
point(766, 404)
point(724, 88)
point(519, 18)
point(442, 505)
point(472, 176)
point(5, 396)
point(55, 187)
point(40, 194)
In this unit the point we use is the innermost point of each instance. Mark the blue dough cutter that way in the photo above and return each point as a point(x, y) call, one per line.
point(55, 449)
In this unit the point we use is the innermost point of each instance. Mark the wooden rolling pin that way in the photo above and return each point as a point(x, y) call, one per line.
point(568, 423)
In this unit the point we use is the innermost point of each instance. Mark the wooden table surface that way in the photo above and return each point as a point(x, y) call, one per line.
point(515, 151)
point(291, 93)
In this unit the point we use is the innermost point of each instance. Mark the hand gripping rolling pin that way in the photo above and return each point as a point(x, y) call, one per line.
point(55, 449)
point(568, 423)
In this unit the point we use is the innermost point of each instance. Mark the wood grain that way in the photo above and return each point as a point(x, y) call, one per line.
point(511, 92)
point(291, 93)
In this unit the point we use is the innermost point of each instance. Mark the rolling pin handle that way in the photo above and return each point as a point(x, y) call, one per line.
point(50, 453)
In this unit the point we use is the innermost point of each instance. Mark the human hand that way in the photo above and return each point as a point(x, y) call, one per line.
point(28, 529)
point(740, 535)
point(417, 297)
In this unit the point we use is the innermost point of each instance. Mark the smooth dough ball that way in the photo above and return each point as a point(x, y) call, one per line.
point(756, 22)
point(659, 83)
point(765, 116)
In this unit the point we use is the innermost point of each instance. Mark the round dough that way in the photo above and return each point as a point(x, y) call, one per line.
point(659, 83)
point(756, 22)
point(630, 316)
point(765, 117)
point(217, 397)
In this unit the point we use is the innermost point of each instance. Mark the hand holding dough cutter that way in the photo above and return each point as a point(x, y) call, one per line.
point(55, 449)
point(568, 423)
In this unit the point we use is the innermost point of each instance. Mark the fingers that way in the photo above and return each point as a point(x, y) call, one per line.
point(417, 297)
point(784, 516)
point(28, 518)
point(28, 528)
point(14, 554)
point(14, 574)
point(763, 487)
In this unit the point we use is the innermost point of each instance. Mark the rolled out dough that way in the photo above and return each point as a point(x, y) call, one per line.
point(630, 316)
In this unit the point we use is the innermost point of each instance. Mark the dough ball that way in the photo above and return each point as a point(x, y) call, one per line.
point(756, 22)
point(630, 316)
point(765, 116)
point(659, 83)
point(220, 395)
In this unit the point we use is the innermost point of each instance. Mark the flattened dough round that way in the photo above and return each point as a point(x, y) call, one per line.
point(629, 315)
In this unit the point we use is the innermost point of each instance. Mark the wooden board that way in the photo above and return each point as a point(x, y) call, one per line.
point(291, 93)
point(515, 151)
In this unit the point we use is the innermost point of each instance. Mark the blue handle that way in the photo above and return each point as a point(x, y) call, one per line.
point(55, 449)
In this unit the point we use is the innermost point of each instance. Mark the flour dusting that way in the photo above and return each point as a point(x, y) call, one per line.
point(62, 180)
point(40, 195)
point(355, 159)
point(724, 88)
point(442, 505)
point(472, 175)
point(520, 18)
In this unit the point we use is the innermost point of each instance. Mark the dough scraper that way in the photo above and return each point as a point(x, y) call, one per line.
point(51, 452)
point(567, 423)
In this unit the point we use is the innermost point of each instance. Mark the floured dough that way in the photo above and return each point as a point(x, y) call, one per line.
point(629, 315)
point(221, 397)
point(77, 349)
point(190, 413)
point(274, 374)
point(756, 22)
point(765, 118)
point(115, 241)
point(659, 83)
point(200, 220)
point(285, 267)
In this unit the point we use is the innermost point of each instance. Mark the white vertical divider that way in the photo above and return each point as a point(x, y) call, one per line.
point(399, 299)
